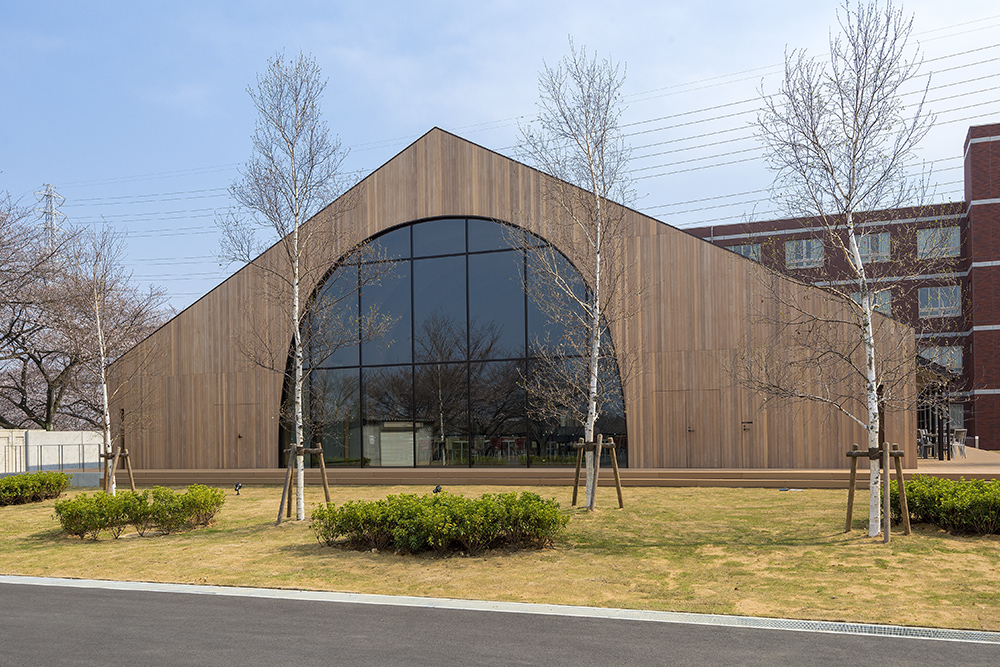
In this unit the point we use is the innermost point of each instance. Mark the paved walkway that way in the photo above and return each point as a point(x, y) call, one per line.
point(980, 462)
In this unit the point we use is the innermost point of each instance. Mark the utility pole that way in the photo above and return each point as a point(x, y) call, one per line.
point(49, 213)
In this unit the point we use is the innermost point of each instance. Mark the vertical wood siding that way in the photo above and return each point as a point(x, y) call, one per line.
point(207, 406)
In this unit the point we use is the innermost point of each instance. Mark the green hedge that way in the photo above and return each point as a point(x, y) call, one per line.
point(32, 488)
point(965, 507)
point(161, 511)
point(443, 522)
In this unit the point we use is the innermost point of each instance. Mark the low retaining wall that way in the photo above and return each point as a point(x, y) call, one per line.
point(35, 450)
point(801, 479)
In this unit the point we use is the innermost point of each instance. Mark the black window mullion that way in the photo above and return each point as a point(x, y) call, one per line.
point(468, 345)
point(524, 364)
point(413, 357)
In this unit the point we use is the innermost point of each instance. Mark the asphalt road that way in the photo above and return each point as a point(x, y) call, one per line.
point(57, 625)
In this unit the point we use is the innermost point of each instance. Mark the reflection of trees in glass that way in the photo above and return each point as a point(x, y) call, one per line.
point(334, 326)
point(440, 338)
point(557, 406)
point(497, 412)
point(334, 410)
point(389, 393)
point(440, 404)
point(496, 398)
point(442, 389)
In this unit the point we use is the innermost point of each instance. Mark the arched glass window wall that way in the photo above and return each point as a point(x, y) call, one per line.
point(443, 385)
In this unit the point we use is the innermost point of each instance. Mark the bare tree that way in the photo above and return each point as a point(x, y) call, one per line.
point(841, 142)
point(577, 139)
point(114, 315)
point(39, 358)
point(68, 310)
point(18, 248)
point(294, 172)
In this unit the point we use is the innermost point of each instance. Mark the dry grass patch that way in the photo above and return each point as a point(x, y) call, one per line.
point(731, 551)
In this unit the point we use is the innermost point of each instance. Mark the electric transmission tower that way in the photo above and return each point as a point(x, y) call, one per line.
point(49, 212)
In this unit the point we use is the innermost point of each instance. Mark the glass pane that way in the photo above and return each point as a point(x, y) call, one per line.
point(611, 420)
point(391, 297)
point(489, 235)
point(335, 415)
point(439, 237)
point(387, 436)
point(496, 402)
point(442, 415)
point(439, 309)
point(496, 304)
point(549, 306)
point(553, 429)
point(331, 332)
point(391, 245)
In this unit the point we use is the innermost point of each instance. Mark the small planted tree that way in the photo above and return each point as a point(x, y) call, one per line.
point(841, 142)
point(577, 139)
point(294, 173)
point(114, 316)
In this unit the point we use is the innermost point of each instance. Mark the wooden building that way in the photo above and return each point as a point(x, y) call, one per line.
point(192, 399)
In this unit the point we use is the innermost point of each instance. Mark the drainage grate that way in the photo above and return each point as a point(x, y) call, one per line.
point(869, 629)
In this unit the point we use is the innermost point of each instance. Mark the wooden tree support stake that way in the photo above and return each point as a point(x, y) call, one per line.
point(576, 480)
point(582, 447)
point(903, 506)
point(850, 489)
point(286, 492)
point(286, 489)
point(111, 468)
point(876, 454)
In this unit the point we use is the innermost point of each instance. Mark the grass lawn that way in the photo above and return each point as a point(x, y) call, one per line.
point(759, 552)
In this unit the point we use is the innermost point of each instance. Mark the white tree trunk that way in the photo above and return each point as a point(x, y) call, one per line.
point(594, 458)
point(105, 409)
point(300, 501)
point(871, 381)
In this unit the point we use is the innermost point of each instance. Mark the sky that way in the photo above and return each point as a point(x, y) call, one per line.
point(137, 113)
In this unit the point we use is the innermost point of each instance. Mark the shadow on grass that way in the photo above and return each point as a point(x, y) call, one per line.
point(616, 544)
point(54, 535)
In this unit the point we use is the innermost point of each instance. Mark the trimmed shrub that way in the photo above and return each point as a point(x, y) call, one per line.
point(32, 487)
point(162, 510)
point(962, 507)
point(202, 502)
point(139, 511)
point(442, 522)
point(169, 511)
point(82, 516)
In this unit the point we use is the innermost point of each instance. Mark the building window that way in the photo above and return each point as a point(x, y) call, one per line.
point(874, 247)
point(948, 356)
point(803, 253)
point(940, 301)
point(883, 301)
point(938, 242)
point(750, 250)
point(444, 383)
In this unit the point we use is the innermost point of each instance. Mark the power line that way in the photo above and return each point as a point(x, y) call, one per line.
point(145, 199)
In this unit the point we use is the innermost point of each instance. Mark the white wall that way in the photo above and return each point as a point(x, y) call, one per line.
point(34, 450)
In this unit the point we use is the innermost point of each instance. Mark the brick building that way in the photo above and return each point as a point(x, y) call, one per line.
point(936, 268)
